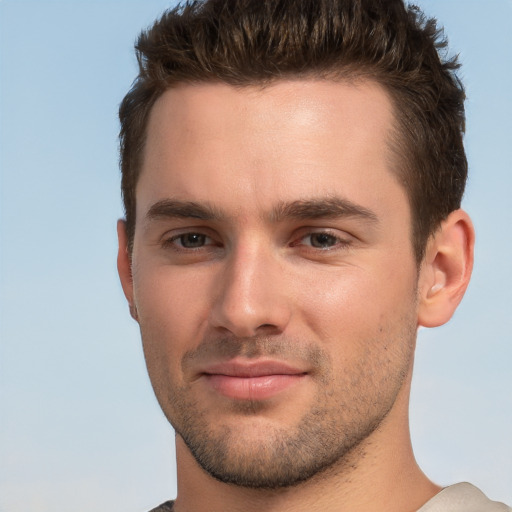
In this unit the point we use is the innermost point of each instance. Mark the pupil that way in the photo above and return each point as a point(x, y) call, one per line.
point(192, 240)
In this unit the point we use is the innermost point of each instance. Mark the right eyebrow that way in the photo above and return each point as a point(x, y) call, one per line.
point(172, 209)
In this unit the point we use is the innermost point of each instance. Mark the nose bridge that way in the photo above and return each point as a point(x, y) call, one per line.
point(250, 297)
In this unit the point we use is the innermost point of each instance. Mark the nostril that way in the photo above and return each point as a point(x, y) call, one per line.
point(268, 329)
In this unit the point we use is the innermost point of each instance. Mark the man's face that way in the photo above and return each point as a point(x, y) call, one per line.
point(273, 274)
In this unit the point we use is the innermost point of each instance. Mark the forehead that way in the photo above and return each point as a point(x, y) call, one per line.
point(253, 146)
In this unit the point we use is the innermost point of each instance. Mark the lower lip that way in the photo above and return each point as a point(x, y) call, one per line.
point(252, 388)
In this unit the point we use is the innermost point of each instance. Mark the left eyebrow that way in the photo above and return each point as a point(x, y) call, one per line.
point(322, 208)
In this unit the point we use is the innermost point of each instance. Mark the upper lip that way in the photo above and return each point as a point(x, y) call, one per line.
point(252, 369)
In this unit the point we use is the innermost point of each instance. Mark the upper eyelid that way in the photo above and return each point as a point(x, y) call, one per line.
point(335, 232)
point(180, 231)
point(180, 235)
point(177, 236)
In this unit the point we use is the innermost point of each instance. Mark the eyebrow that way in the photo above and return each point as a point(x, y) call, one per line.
point(321, 208)
point(169, 208)
point(305, 209)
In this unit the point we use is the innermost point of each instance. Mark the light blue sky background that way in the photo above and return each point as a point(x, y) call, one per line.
point(80, 429)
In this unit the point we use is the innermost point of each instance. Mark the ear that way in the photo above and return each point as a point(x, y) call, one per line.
point(446, 269)
point(124, 267)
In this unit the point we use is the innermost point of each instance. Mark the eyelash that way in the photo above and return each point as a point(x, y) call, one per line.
point(339, 243)
point(170, 242)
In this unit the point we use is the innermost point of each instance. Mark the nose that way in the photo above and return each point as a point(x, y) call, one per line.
point(252, 296)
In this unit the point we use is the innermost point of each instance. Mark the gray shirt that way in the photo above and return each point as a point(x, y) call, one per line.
point(463, 497)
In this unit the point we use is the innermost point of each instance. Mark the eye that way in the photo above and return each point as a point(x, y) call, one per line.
point(189, 241)
point(322, 240)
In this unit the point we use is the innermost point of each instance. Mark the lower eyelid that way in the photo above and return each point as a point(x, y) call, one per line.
point(337, 245)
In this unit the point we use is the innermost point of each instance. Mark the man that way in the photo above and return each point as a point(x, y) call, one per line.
point(292, 177)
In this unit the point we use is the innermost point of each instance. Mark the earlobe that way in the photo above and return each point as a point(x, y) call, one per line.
point(124, 267)
point(446, 269)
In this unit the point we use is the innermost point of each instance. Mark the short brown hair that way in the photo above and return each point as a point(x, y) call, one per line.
point(247, 42)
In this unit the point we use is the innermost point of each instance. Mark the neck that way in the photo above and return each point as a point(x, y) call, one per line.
point(381, 474)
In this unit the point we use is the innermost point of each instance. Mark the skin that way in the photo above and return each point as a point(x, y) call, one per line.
point(271, 227)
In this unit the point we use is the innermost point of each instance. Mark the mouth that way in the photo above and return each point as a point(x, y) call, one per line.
point(255, 380)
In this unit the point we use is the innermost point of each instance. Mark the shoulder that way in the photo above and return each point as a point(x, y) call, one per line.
point(463, 497)
point(168, 506)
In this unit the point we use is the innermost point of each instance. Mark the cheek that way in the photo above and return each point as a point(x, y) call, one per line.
point(335, 299)
point(355, 304)
point(172, 313)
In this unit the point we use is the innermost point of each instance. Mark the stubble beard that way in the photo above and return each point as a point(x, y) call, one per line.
point(348, 408)
point(278, 457)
